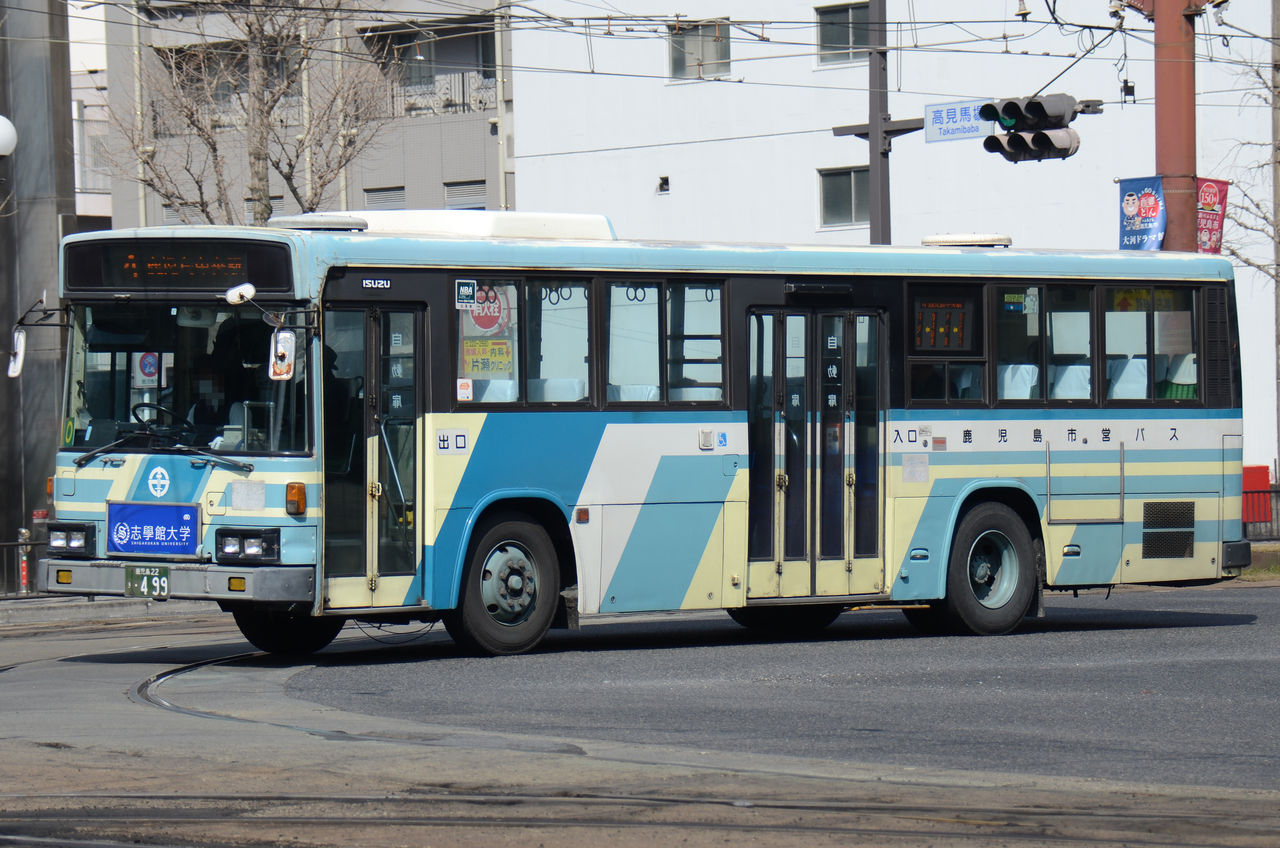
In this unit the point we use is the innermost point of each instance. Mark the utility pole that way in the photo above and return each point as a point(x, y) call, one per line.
point(880, 129)
point(1175, 56)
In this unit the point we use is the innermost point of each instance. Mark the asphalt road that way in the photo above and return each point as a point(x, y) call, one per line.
point(1165, 686)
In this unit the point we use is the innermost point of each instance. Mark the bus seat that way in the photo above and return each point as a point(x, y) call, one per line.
point(1017, 381)
point(697, 393)
point(633, 393)
point(1180, 380)
point(496, 391)
point(557, 389)
point(233, 434)
point(1127, 377)
point(1069, 382)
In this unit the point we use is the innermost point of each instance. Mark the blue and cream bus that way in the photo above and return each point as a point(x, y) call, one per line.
point(510, 422)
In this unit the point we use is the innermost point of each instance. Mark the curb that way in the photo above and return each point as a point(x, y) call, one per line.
point(45, 609)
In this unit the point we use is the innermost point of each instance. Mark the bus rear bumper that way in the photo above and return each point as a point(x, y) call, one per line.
point(1236, 554)
point(196, 581)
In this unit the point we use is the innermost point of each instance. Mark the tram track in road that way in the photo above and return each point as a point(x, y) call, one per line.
point(472, 818)
point(887, 813)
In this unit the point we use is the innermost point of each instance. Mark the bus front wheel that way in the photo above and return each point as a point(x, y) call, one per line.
point(286, 632)
point(509, 589)
point(991, 578)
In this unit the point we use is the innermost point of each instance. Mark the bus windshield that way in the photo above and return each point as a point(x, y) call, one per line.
point(159, 375)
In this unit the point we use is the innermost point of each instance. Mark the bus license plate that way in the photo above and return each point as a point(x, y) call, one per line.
point(146, 581)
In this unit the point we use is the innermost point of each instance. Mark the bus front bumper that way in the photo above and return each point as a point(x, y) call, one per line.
point(196, 581)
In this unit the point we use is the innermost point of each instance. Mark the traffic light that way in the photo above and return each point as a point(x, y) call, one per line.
point(1035, 128)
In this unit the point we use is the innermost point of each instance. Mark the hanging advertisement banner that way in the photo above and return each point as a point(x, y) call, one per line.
point(1142, 217)
point(1211, 210)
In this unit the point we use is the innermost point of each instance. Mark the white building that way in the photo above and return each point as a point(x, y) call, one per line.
point(717, 125)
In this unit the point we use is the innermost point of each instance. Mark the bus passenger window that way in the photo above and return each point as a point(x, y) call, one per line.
point(557, 325)
point(694, 353)
point(1125, 325)
point(1070, 345)
point(1175, 342)
point(489, 345)
point(1018, 343)
point(633, 343)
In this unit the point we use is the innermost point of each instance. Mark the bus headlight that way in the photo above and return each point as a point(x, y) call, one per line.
point(76, 540)
point(245, 545)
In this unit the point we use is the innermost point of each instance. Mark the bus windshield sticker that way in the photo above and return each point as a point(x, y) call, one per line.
point(465, 391)
point(464, 297)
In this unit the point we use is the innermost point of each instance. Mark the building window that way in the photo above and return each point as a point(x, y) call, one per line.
point(700, 51)
point(276, 201)
point(469, 195)
point(845, 196)
point(843, 33)
point(384, 198)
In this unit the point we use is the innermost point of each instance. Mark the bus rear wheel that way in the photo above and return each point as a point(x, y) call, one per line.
point(286, 632)
point(991, 577)
point(509, 589)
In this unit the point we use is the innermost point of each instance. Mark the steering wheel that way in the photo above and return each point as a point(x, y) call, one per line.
point(179, 428)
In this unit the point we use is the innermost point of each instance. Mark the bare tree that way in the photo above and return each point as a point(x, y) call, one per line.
point(257, 86)
point(1251, 211)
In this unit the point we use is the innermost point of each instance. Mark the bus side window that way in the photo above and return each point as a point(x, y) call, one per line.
point(557, 325)
point(489, 344)
point(634, 355)
point(1019, 343)
point(1070, 345)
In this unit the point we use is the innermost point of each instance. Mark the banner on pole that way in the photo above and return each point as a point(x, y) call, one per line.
point(1142, 215)
point(1211, 210)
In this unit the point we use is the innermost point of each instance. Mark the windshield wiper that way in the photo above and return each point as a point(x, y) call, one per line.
point(212, 457)
point(86, 458)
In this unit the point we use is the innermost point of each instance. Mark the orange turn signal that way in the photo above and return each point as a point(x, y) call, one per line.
point(295, 498)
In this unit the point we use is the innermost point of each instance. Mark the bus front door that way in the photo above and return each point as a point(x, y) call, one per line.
point(372, 545)
point(814, 518)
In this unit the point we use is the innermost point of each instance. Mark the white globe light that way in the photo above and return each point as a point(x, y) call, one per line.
point(8, 136)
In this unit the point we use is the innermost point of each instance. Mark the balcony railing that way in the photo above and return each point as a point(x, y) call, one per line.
point(453, 93)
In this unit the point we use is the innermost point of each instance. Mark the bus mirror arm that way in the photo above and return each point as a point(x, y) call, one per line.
point(38, 315)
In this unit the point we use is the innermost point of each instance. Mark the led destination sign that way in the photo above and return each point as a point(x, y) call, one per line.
point(178, 264)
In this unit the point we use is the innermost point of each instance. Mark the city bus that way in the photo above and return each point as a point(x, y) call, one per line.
point(509, 422)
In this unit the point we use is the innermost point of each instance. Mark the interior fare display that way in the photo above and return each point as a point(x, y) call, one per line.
point(944, 324)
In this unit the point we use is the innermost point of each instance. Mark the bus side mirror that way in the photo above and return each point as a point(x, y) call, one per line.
point(242, 293)
point(284, 348)
point(19, 353)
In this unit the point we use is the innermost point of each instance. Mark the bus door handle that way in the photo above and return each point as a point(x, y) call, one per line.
point(375, 489)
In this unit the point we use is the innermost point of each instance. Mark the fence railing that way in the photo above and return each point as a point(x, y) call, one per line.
point(17, 563)
point(1261, 512)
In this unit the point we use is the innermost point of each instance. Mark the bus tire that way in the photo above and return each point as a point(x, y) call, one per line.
point(991, 578)
point(509, 589)
point(797, 620)
point(285, 632)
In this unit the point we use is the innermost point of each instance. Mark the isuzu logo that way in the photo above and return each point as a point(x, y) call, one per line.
point(376, 284)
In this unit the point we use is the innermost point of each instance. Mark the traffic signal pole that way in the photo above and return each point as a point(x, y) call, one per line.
point(1175, 56)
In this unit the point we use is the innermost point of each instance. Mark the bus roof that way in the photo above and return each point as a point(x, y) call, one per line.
point(586, 244)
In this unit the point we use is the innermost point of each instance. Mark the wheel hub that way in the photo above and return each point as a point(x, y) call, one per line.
point(509, 584)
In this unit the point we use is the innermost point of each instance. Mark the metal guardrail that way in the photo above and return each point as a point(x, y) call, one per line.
point(16, 560)
point(1260, 509)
